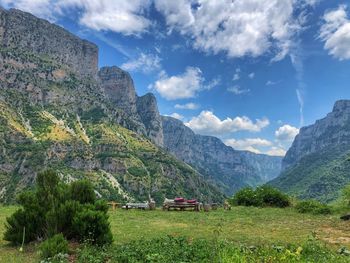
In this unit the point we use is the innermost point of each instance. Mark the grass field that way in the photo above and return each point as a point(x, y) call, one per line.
point(241, 225)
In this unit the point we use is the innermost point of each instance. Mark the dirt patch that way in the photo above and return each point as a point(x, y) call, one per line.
point(335, 236)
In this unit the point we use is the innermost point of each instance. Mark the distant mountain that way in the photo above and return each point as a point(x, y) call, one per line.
point(58, 110)
point(229, 169)
point(318, 163)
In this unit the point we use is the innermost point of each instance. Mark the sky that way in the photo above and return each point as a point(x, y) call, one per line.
point(251, 72)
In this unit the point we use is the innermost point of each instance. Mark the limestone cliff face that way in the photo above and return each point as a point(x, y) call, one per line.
point(332, 130)
point(143, 111)
point(119, 88)
point(317, 164)
point(26, 32)
point(147, 109)
point(221, 164)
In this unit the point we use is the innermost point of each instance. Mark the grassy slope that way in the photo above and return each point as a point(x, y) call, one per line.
point(250, 226)
point(319, 175)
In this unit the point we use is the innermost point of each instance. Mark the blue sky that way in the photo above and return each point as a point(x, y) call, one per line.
point(250, 72)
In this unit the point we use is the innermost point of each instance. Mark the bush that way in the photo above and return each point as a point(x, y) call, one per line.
point(83, 192)
point(313, 207)
point(53, 246)
point(92, 227)
point(245, 197)
point(270, 196)
point(260, 197)
point(58, 208)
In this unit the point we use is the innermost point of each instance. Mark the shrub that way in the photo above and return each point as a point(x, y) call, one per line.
point(270, 196)
point(261, 196)
point(92, 227)
point(245, 197)
point(56, 208)
point(83, 192)
point(313, 207)
point(53, 246)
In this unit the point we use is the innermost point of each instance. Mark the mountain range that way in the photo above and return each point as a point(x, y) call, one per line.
point(59, 110)
point(317, 165)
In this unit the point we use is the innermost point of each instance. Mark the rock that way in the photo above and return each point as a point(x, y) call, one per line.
point(147, 109)
point(221, 164)
point(345, 217)
point(27, 32)
point(317, 164)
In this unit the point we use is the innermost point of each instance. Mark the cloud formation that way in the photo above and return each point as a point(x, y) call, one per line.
point(183, 86)
point(237, 90)
point(187, 106)
point(286, 133)
point(126, 17)
point(335, 32)
point(145, 63)
point(209, 124)
point(238, 28)
point(248, 144)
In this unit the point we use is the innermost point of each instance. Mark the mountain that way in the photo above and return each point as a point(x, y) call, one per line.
point(317, 165)
point(58, 110)
point(229, 169)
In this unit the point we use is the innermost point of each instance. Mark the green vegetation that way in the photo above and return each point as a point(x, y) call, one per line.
point(55, 208)
point(250, 232)
point(262, 196)
point(313, 207)
point(53, 246)
point(319, 176)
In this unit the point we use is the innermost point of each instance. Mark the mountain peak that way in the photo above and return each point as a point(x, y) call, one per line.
point(341, 105)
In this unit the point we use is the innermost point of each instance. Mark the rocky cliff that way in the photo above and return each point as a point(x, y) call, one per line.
point(142, 112)
point(316, 165)
point(24, 31)
point(221, 164)
point(58, 111)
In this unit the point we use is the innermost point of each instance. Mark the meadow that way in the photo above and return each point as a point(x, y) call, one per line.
point(242, 226)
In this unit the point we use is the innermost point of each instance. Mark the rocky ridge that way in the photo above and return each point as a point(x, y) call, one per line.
point(317, 164)
point(222, 165)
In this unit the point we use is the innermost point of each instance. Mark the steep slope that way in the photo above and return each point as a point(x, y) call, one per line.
point(227, 168)
point(57, 110)
point(317, 164)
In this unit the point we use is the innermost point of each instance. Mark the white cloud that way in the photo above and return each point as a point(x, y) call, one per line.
point(251, 75)
point(248, 144)
point(207, 123)
point(145, 63)
point(286, 133)
point(335, 32)
point(239, 28)
point(126, 17)
point(271, 83)
point(183, 86)
point(176, 116)
point(236, 76)
point(237, 90)
point(256, 145)
point(276, 151)
point(40, 8)
point(187, 106)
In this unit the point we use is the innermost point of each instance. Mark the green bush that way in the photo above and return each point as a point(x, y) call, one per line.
point(53, 246)
point(270, 196)
point(83, 192)
point(59, 208)
point(260, 197)
point(313, 207)
point(246, 197)
point(92, 227)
